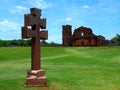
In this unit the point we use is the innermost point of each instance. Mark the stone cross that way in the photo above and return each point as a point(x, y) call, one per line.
point(31, 29)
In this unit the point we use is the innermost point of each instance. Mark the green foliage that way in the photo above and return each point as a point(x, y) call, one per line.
point(23, 43)
point(14, 43)
point(67, 68)
point(116, 39)
point(43, 42)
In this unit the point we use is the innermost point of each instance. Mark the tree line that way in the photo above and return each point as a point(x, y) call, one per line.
point(23, 43)
point(115, 41)
point(13, 43)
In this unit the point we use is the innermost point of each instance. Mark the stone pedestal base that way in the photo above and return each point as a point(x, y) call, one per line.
point(36, 78)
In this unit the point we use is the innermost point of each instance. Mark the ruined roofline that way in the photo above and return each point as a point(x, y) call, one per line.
point(66, 28)
point(83, 27)
point(67, 25)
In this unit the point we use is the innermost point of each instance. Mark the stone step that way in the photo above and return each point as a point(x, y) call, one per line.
point(38, 73)
point(36, 81)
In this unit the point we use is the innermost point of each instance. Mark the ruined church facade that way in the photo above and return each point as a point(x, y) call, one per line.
point(81, 36)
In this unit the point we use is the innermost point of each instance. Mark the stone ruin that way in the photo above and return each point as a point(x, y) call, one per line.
point(81, 36)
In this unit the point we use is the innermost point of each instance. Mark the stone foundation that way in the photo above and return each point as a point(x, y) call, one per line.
point(36, 78)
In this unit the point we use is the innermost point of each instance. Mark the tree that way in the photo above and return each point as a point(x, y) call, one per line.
point(43, 42)
point(14, 42)
point(116, 39)
point(1, 43)
point(28, 42)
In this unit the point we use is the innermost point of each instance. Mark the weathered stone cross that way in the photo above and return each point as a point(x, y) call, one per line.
point(36, 76)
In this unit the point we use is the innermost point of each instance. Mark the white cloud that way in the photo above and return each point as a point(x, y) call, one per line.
point(106, 7)
point(9, 29)
point(86, 6)
point(6, 25)
point(65, 20)
point(4, 22)
point(68, 19)
point(18, 9)
point(40, 4)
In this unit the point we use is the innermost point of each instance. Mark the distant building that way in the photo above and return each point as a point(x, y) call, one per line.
point(81, 36)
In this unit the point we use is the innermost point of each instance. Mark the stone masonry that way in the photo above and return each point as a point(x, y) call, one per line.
point(81, 36)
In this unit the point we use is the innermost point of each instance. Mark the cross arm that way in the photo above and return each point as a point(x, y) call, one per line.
point(28, 33)
point(31, 20)
point(43, 35)
point(43, 23)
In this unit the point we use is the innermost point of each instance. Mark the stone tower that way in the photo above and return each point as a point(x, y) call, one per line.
point(66, 35)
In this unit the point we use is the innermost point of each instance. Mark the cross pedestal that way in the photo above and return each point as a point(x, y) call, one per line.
point(36, 76)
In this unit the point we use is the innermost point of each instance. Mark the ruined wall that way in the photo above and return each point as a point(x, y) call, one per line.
point(82, 36)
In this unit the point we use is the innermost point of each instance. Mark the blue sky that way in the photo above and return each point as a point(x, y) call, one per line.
point(103, 16)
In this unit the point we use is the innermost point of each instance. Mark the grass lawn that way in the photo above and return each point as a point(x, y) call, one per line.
point(67, 68)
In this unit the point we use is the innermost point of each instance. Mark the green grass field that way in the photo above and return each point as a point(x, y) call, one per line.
point(67, 68)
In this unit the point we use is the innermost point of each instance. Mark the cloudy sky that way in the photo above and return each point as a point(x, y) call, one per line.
point(103, 16)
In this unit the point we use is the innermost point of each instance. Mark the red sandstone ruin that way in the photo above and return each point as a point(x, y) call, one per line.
point(81, 36)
